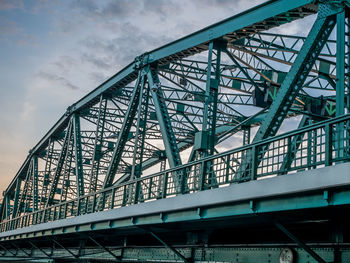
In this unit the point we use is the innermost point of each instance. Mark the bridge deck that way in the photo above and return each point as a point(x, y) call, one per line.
point(329, 186)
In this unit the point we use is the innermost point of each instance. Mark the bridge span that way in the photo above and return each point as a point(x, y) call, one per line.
point(231, 144)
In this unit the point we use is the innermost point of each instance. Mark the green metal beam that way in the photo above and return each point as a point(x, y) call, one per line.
point(294, 81)
point(139, 142)
point(59, 165)
point(16, 198)
point(35, 182)
point(47, 171)
point(300, 243)
point(166, 129)
point(163, 118)
point(177, 253)
point(296, 77)
point(22, 204)
point(293, 146)
point(248, 18)
point(97, 152)
point(78, 155)
point(244, 71)
point(123, 134)
point(340, 65)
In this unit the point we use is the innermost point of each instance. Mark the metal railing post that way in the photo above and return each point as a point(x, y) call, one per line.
point(328, 144)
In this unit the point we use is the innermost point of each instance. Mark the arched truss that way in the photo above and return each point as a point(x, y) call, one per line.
point(195, 97)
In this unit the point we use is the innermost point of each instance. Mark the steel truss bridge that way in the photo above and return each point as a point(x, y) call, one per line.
point(231, 144)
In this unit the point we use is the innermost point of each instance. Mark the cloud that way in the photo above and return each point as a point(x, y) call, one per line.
point(161, 7)
point(97, 77)
point(56, 80)
point(98, 62)
point(104, 9)
point(118, 8)
point(65, 63)
point(28, 110)
point(12, 33)
point(120, 50)
point(87, 6)
point(9, 27)
point(11, 4)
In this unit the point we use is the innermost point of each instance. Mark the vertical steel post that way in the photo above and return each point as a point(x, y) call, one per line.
point(98, 144)
point(16, 198)
point(139, 141)
point(35, 182)
point(47, 172)
point(340, 64)
point(246, 134)
point(79, 172)
point(340, 83)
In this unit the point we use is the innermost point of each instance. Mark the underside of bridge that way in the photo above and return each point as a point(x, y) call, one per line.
point(231, 144)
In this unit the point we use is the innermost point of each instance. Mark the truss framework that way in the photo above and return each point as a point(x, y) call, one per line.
point(188, 102)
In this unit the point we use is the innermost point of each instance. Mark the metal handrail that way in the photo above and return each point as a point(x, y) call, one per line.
point(324, 154)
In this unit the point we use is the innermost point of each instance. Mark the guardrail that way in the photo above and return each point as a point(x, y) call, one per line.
point(323, 144)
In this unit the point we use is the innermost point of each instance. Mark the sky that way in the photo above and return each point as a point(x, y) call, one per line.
point(53, 52)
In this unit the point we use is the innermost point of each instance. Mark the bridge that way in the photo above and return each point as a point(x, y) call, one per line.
point(231, 144)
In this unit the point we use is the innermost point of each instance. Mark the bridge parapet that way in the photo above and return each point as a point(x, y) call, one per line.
point(315, 146)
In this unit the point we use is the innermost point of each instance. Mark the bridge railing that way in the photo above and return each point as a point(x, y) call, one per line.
point(322, 144)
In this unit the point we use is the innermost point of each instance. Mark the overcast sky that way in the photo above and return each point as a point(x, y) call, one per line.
point(53, 52)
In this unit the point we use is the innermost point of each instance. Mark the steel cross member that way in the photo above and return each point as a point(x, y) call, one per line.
point(78, 155)
point(98, 144)
point(123, 135)
point(299, 242)
point(292, 84)
point(170, 247)
point(59, 165)
point(169, 139)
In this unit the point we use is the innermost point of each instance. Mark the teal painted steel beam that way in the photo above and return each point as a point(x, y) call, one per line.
point(177, 253)
point(292, 83)
point(106, 249)
point(6, 206)
point(59, 167)
point(211, 93)
point(340, 65)
point(347, 12)
point(47, 172)
point(78, 155)
point(139, 142)
point(163, 118)
point(296, 77)
point(166, 129)
point(22, 204)
point(141, 122)
point(123, 134)
point(251, 17)
point(16, 197)
point(222, 132)
point(253, 82)
point(35, 183)
point(97, 151)
point(300, 243)
point(340, 82)
point(125, 76)
point(293, 146)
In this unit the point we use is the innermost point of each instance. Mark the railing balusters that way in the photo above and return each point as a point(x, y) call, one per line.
point(164, 185)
